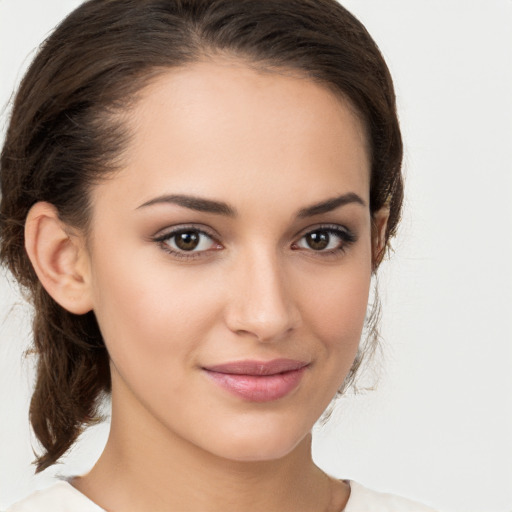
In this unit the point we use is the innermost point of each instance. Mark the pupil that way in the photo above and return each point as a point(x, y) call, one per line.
point(318, 240)
point(187, 240)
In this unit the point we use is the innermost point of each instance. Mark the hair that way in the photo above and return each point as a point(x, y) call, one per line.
point(66, 134)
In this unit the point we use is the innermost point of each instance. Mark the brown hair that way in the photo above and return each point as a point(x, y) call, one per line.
point(64, 135)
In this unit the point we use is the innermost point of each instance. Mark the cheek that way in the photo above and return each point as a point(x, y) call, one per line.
point(337, 310)
point(148, 313)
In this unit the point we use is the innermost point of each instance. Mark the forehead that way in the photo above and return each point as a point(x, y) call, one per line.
point(224, 128)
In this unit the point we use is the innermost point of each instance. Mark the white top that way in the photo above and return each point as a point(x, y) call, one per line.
point(63, 497)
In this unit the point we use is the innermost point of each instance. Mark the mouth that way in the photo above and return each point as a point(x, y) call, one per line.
point(258, 381)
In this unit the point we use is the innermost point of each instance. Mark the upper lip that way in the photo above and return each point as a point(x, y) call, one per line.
point(257, 368)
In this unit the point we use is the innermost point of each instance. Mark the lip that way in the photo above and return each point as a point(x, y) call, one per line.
point(258, 381)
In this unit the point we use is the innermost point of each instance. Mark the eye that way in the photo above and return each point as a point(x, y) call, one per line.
point(327, 239)
point(187, 242)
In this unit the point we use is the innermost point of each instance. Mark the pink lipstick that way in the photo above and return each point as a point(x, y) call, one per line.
point(258, 381)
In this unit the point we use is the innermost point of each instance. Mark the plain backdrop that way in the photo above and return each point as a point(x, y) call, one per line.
point(438, 426)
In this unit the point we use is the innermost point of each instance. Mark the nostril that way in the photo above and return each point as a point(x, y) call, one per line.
point(262, 305)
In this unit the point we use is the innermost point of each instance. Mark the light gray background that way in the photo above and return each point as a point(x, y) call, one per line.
point(438, 428)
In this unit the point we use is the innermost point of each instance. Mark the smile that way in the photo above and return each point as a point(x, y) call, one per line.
point(258, 381)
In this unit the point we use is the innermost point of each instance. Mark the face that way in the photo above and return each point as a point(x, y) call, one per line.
point(230, 259)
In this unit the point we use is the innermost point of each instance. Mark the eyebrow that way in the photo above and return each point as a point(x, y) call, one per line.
point(218, 207)
point(330, 205)
point(193, 203)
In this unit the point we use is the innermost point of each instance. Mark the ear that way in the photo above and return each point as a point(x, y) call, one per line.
point(59, 258)
point(379, 226)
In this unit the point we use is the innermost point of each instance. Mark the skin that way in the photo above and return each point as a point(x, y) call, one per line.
point(269, 145)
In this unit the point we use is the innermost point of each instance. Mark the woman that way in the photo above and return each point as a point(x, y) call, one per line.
point(196, 194)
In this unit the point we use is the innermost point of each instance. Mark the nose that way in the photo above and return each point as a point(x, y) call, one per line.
point(262, 304)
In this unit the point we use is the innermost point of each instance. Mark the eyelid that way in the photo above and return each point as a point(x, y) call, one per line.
point(347, 236)
point(165, 234)
point(339, 228)
point(168, 231)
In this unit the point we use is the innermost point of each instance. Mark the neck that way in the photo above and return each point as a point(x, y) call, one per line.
point(151, 469)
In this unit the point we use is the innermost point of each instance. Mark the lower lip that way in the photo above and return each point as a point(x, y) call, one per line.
point(259, 388)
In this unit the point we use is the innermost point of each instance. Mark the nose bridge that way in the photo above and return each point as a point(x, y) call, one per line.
point(263, 305)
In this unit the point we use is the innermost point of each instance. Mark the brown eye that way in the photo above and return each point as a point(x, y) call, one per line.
point(318, 240)
point(327, 240)
point(187, 240)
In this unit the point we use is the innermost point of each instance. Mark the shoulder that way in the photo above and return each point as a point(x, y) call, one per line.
point(365, 500)
point(60, 497)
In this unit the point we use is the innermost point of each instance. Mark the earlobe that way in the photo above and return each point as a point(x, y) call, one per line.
point(379, 227)
point(59, 258)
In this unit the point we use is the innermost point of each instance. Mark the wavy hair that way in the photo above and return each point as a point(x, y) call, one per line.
point(66, 134)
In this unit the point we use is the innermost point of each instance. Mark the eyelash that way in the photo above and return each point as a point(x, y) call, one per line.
point(345, 236)
point(164, 238)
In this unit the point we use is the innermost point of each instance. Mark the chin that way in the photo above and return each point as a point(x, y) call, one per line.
point(260, 451)
point(259, 442)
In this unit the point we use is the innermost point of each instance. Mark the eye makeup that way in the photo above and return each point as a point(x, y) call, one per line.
point(328, 239)
point(188, 242)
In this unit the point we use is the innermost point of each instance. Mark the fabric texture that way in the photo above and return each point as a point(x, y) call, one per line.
point(363, 499)
point(63, 497)
point(60, 497)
